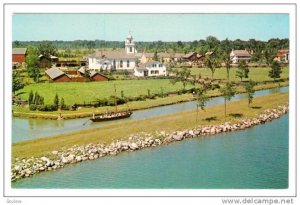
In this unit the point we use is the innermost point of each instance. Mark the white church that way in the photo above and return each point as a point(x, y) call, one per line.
point(123, 59)
point(116, 59)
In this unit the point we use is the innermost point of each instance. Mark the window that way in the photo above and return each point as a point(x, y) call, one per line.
point(128, 63)
point(130, 49)
point(121, 64)
point(152, 72)
point(160, 65)
point(156, 72)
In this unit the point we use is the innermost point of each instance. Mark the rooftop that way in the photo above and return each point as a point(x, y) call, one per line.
point(54, 73)
point(244, 53)
point(19, 51)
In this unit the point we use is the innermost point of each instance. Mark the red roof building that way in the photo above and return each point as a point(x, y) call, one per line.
point(19, 55)
point(282, 56)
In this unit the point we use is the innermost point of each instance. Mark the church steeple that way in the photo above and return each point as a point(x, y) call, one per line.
point(129, 44)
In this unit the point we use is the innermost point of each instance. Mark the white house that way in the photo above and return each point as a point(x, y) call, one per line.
point(238, 55)
point(124, 59)
point(151, 68)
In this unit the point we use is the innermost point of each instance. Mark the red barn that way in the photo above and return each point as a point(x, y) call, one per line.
point(56, 75)
point(97, 76)
point(19, 55)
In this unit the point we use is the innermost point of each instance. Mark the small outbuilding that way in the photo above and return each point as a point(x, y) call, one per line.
point(56, 75)
point(19, 55)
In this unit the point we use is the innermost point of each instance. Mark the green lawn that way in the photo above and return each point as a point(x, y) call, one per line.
point(76, 92)
point(256, 74)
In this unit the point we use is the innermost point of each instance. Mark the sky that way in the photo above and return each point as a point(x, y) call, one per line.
point(149, 27)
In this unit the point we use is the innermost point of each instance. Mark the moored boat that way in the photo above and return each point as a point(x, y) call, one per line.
point(111, 116)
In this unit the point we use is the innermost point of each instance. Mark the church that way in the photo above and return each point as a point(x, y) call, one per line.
point(124, 59)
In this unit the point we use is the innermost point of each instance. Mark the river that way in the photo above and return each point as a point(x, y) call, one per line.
point(255, 158)
point(29, 128)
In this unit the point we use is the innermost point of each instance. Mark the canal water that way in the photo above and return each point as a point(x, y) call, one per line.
point(255, 158)
point(28, 128)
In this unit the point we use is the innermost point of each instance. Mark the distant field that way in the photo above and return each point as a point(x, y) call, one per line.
point(256, 74)
point(76, 92)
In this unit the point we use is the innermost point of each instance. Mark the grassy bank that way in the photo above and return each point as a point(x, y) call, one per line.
point(258, 74)
point(136, 105)
point(168, 123)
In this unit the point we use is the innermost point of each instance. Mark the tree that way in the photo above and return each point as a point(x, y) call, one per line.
point(36, 98)
point(242, 71)
point(212, 62)
point(249, 87)
point(269, 55)
point(47, 49)
point(32, 64)
point(17, 83)
point(228, 91)
point(227, 61)
point(183, 75)
point(56, 100)
point(155, 56)
point(30, 98)
point(62, 103)
point(275, 70)
point(201, 97)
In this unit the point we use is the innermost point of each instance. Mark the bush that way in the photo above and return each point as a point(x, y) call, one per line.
point(47, 108)
point(215, 86)
point(32, 107)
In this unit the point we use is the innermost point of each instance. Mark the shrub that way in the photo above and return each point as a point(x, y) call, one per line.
point(47, 108)
point(32, 107)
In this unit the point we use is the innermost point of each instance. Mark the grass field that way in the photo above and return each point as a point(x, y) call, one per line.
point(168, 123)
point(76, 92)
point(256, 74)
point(20, 111)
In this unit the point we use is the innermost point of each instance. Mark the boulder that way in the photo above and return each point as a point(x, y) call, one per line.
point(45, 159)
point(133, 146)
point(54, 152)
point(178, 137)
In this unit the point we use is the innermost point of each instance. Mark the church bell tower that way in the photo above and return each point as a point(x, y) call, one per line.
point(130, 45)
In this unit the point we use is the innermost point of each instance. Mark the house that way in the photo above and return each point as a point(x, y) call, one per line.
point(94, 76)
point(193, 59)
point(56, 75)
point(66, 63)
point(282, 56)
point(124, 59)
point(45, 62)
point(163, 57)
point(19, 55)
point(239, 55)
point(54, 59)
point(151, 68)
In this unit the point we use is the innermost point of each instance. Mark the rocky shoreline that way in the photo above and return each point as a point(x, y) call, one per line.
point(57, 159)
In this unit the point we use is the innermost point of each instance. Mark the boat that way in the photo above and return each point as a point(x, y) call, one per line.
point(113, 115)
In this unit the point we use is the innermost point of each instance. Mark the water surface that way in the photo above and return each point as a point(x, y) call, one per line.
point(255, 158)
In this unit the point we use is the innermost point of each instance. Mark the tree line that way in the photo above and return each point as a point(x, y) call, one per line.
point(201, 46)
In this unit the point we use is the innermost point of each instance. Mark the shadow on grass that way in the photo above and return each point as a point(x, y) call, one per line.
point(209, 119)
point(256, 107)
point(236, 115)
point(20, 93)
